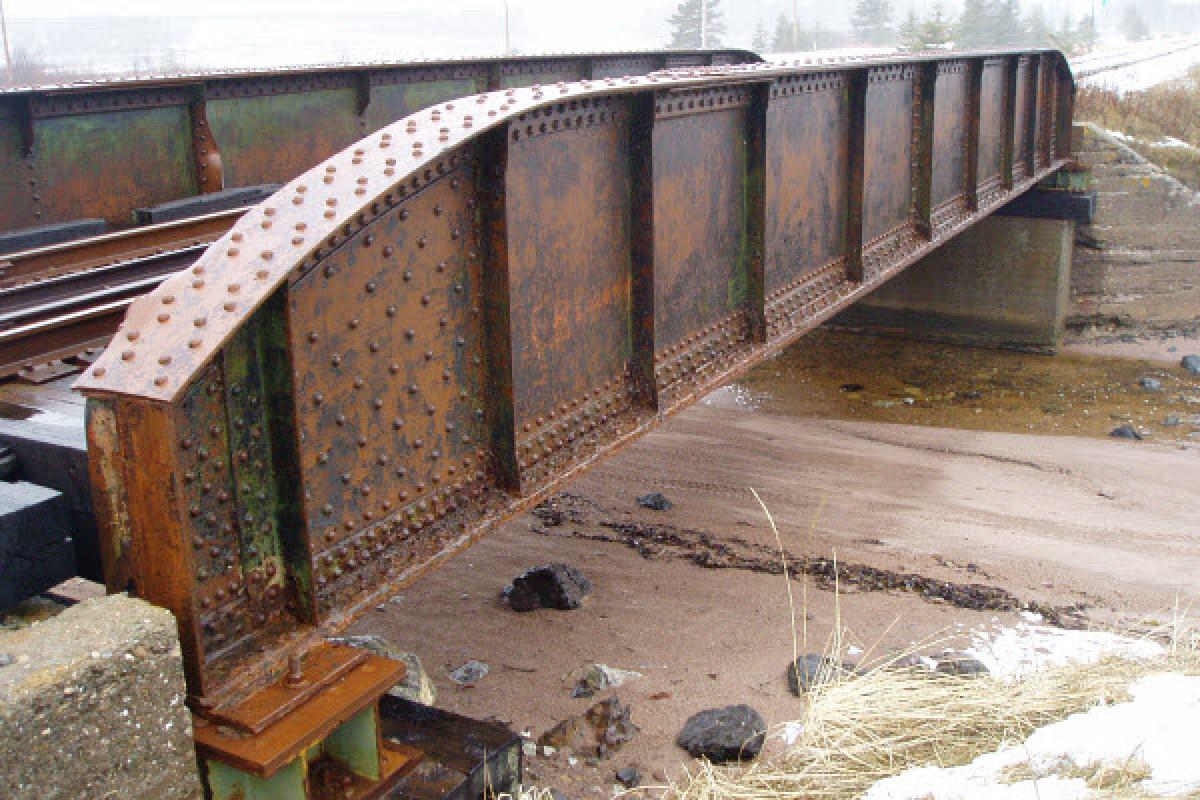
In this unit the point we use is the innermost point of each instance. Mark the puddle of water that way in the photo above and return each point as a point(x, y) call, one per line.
point(842, 375)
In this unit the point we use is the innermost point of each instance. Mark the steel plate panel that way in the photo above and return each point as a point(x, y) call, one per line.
point(568, 192)
point(271, 139)
point(949, 132)
point(991, 119)
point(387, 344)
point(887, 196)
point(807, 128)
point(91, 166)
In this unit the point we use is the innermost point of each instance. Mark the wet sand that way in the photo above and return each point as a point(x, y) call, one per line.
point(1109, 526)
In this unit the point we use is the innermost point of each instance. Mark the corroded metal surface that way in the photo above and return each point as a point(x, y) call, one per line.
point(103, 148)
point(425, 332)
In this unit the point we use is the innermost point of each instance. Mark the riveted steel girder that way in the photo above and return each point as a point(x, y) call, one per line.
point(429, 330)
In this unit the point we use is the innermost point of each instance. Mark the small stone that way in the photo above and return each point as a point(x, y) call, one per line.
point(1191, 363)
point(5, 659)
point(1125, 432)
point(629, 777)
point(559, 586)
point(724, 734)
point(1150, 384)
point(1172, 421)
point(659, 775)
point(469, 673)
point(599, 677)
point(598, 732)
point(961, 665)
point(655, 501)
point(417, 686)
point(852, 387)
point(529, 748)
point(812, 670)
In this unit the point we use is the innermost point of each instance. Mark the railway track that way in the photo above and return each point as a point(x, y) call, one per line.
point(59, 302)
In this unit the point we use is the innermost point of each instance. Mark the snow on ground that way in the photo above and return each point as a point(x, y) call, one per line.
point(1157, 731)
point(1011, 653)
point(1140, 76)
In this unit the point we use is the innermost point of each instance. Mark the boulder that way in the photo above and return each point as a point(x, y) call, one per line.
point(731, 733)
point(557, 585)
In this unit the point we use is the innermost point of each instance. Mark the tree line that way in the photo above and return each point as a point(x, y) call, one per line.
point(981, 24)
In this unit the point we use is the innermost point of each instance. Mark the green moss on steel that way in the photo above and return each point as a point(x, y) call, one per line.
point(272, 138)
point(390, 103)
point(103, 165)
point(17, 209)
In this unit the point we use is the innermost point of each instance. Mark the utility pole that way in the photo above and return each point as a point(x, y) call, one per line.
point(795, 24)
point(8, 70)
point(507, 40)
point(703, 24)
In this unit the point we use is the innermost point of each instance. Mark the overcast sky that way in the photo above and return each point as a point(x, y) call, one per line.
point(205, 34)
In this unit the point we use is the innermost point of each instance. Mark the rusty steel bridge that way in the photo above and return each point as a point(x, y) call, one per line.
point(433, 327)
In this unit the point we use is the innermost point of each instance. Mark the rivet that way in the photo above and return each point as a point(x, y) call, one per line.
point(127, 355)
point(164, 318)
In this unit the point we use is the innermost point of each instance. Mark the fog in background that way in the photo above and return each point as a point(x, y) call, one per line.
point(76, 38)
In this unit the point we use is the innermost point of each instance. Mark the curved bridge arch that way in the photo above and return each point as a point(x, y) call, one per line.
point(424, 333)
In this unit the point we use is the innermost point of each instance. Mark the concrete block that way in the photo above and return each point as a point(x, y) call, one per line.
point(56, 456)
point(92, 705)
point(36, 551)
point(1002, 283)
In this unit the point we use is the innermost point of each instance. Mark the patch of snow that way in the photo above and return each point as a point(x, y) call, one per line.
point(1171, 141)
point(791, 732)
point(1158, 728)
point(1011, 653)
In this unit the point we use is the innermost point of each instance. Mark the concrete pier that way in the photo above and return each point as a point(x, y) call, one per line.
point(1003, 283)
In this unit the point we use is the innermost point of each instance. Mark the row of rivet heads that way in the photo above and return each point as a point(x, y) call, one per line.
point(365, 544)
point(453, 127)
point(697, 351)
point(385, 139)
point(806, 297)
point(560, 429)
point(403, 495)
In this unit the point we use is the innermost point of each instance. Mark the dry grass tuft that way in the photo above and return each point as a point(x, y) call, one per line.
point(863, 729)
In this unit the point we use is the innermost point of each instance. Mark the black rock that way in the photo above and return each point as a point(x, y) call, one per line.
point(656, 501)
point(550, 515)
point(558, 586)
point(1125, 432)
point(1150, 384)
point(724, 734)
point(629, 777)
point(811, 670)
point(852, 387)
point(961, 665)
point(1191, 363)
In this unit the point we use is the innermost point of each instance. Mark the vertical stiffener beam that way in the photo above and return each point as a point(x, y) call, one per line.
point(856, 89)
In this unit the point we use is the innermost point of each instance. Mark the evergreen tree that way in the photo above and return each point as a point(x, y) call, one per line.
point(1037, 29)
point(1133, 26)
point(687, 21)
point(975, 25)
point(759, 43)
point(937, 29)
point(1085, 35)
point(1006, 24)
point(910, 33)
point(871, 22)
point(783, 42)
